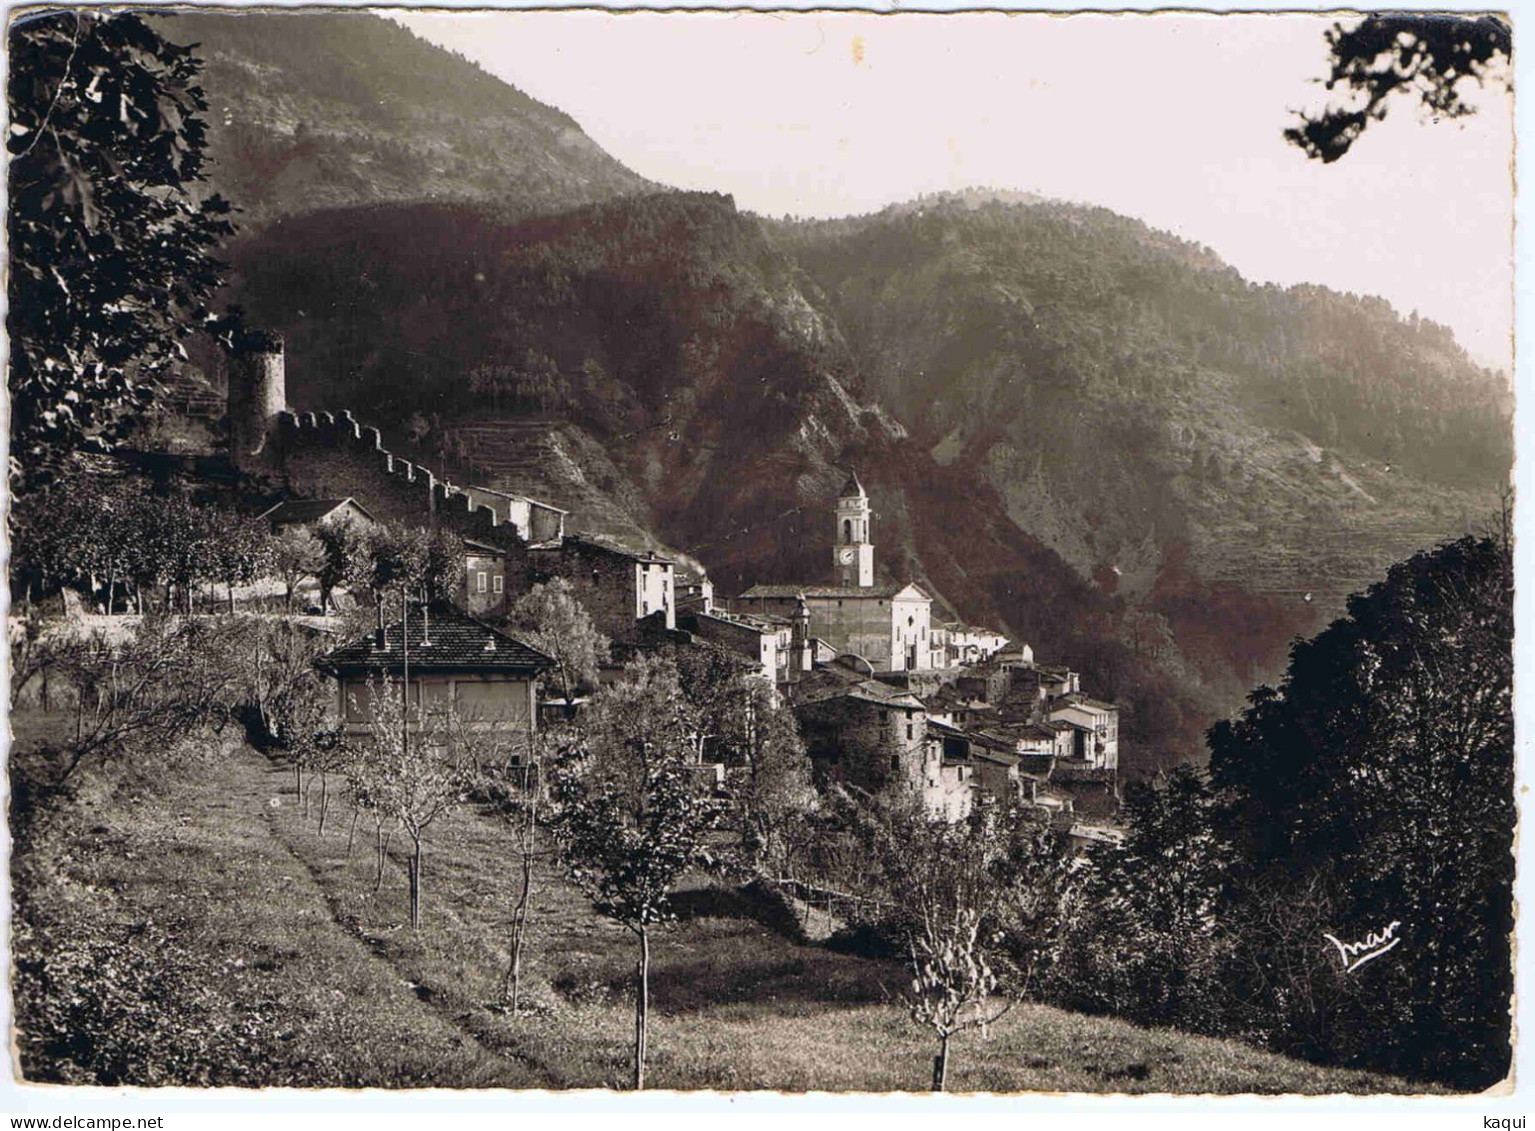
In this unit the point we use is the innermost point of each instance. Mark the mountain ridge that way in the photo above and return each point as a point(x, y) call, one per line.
point(326, 109)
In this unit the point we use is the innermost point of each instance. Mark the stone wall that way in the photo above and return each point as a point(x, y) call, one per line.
point(861, 625)
point(603, 580)
point(850, 742)
point(323, 455)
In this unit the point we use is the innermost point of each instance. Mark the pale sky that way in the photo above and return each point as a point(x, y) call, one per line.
point(1174, 120)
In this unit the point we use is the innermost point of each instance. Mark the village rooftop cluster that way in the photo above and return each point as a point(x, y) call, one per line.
point(887, 701)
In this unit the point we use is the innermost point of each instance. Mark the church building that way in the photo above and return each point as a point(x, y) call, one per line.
point(888, 625)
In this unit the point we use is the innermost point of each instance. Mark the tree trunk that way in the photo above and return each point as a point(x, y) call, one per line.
point(381, 844)
point(512, 990)
point(415, 882)
point(323, 798)
point(641, 1008)
point(941, 1064)
point(352, 833)
point(231, 586)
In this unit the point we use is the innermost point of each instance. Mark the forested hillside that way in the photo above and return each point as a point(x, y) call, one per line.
point(1163, 423)
point(312, 109)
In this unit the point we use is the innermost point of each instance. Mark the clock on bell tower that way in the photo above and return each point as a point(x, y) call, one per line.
point(853, 553)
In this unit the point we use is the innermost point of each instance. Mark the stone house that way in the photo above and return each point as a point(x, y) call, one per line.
point(1011, 765)
point(616, 585)
point(863, 733)
point(876, 738)
point(966, 644)
point(1095, 730)
point(767, 640)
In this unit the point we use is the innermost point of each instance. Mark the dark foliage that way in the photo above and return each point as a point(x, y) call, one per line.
point(1426, 55)
point(111, 251)
point(1384, 762)
point(1370, 793)
point(1144, 937)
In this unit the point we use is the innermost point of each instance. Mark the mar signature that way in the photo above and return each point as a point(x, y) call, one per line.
point(1375, 944)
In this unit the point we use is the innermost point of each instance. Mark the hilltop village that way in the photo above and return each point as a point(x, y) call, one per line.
point(887, 698)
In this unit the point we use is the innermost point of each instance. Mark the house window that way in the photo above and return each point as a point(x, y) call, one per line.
point(908, 730)
point(895, 762)
point(481, 581)
point(497, 583)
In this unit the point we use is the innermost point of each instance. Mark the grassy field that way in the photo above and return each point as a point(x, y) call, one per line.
point(279, 961)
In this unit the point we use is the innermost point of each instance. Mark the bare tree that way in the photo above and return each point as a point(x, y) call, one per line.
point(413, 766)
point(978, 904)
point(152, 689)
point(522, 808)
point(629, 813)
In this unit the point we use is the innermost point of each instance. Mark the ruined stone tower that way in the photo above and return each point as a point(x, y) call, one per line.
point(257, 393)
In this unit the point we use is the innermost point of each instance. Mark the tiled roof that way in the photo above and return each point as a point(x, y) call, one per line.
point(457, 642)
point(589, 542)
point(764, 621)
point(1079, 726)
point(867, 690)
point(991, 740)
point(1036, 730)
point(308, 510)
point(993, 754)
point(1087, 701)
point(790, 592)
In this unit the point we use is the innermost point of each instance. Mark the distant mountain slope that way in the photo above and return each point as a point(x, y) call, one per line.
point(1148, 412)
point(319, 109)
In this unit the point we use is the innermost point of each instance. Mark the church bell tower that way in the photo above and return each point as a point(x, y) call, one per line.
point(852, 551)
